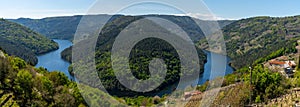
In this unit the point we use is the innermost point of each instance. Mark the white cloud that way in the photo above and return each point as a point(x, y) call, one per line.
point(37, 14)
point(204, 16)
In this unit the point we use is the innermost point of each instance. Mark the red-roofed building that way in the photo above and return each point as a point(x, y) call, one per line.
point(192, 93)
point(277, 63)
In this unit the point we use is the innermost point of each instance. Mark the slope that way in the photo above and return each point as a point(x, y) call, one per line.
point(22, 85)
point(251, 40)
point(20, 41)
point(66, 26)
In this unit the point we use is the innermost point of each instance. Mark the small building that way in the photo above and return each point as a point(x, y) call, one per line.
point(283, 64)
point(192, 93)
point(277, 63)
point(291, 64)
point(286, 66)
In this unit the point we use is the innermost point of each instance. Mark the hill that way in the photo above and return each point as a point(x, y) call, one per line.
point(251, 40)
point(55, 27)
point(66, 26)
point(187, 23)
point(140, 57)
point(267, 34)
point(20, 41)
point(22, 85)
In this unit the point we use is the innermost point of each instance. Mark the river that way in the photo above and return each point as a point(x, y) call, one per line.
point(52, 61)
point(211, 71)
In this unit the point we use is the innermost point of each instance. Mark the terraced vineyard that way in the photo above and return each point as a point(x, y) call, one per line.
point(287, 100)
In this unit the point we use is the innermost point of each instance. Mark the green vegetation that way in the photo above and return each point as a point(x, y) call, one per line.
point(142, 101)
point(20, 41)
point(298, 65)
point(140, 58)
point(66, 54)
point(24, 85)
point(268, 38)
point(54, 27)
point(258, 37)
point(267, 85)
point(65, 27)
point(258, 40)
point(277, 53)
point(236, 96)
point(250, 42)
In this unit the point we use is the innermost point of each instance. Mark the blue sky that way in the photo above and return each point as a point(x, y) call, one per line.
point(222, 9)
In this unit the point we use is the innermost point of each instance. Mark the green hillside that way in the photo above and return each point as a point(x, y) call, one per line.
point(22, 85)
point(250, 40)
point(140, 56)
point(56, 27)
point(20, 41)
point(65, 27)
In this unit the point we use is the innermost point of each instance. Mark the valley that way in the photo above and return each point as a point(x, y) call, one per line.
point(250, 42)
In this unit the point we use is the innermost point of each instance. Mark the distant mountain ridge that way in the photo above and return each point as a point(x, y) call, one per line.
point(66, 26)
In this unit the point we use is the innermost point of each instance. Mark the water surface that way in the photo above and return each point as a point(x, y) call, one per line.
point(211, 71)
point(52, 61)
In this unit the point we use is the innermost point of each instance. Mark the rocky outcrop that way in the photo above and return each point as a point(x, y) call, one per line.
point(2, 54)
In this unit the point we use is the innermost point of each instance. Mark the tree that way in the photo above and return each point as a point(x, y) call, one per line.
point(298, 65)
point(24, 85)
point(258, 99)
point(58, 78)
point(4, 69)
point(44, 85)
point(18, 63)
point(267, 84)
point(297, 78)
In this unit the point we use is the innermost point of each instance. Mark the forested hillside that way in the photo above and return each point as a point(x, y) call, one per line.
point(244, 38)
point(56, 27)
point(249, 42)
point(25, 86)
point(20, 41)
point(140, 56)
point(65, 27)
point(253, 39)
point(187, 23)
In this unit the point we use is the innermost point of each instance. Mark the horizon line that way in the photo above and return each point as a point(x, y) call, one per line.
point(72, 15)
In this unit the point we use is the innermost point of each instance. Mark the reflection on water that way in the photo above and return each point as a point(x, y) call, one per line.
point(210, 72)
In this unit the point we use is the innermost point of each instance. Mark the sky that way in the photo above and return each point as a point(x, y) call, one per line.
point(218, 9)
